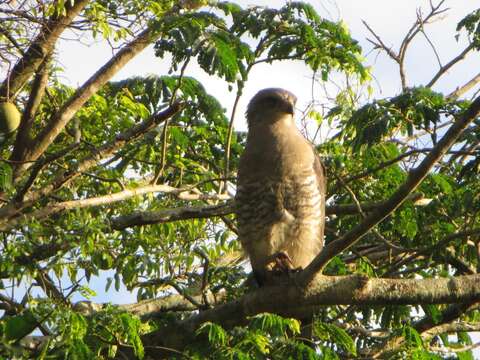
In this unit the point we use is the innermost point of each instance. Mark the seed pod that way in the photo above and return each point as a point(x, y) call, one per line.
point(9, 118)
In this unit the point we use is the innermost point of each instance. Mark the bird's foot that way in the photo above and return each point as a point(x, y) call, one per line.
point(280, 263)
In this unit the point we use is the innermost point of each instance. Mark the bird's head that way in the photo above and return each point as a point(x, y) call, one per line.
point(270, 104)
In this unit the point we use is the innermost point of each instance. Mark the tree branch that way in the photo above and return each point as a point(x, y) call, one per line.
point(451, 328)
point(417, 27)
point(98, 201)
point(41, 47)
point(380, 44)
point(97, 155)
point(423, 327)
point(415, 177)
point(46, 283)
point(168, 215)
point(291, 300)
point(447, 66)
point(464, 88)
point(442, 244)
point(199, 212)
point(60, 119)
point(22, 141)
point(148, 309)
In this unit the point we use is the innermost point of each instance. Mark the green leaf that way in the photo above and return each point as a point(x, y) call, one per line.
point(131, 327)
point(335, 335)
point(216, 335)
point(465, 355)
point(274, 324)
point(433, 312)
point(412, 337)
point(471, 23)
point(17, 327)
point(442, 181)
point(5, 177)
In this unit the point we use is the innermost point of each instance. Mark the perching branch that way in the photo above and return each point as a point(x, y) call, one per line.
point(292, 301)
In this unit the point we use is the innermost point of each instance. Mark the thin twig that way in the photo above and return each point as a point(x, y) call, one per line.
point(447, 66)
point(229, 139)
point(167, 122)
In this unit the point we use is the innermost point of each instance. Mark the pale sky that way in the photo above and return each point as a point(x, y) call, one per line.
point(391, 19)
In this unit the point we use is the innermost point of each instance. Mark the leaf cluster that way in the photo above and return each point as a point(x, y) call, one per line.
point(415, 109)
point(471, 24)
point(230, 47)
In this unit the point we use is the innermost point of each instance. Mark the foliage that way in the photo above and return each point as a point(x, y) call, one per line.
point(471, 23)
point(294, 31)
point(267, 336)
point(117, 157)
point(415, 109)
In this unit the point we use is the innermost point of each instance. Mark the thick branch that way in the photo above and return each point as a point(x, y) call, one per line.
point(22, 141)
point(41, 47)
point(60, 119)
point(168, 215)
point(415, 177)
point(291, 300)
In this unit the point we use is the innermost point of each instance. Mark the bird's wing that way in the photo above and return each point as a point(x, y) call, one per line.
point(305, 190)
point(304, 201)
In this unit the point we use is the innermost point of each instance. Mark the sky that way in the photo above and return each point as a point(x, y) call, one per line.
point(391, 19)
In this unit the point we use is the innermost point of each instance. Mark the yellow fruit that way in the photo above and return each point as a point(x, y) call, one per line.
point(9, 118)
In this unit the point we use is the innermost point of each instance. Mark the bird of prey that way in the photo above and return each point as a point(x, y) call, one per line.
point(280, 198)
